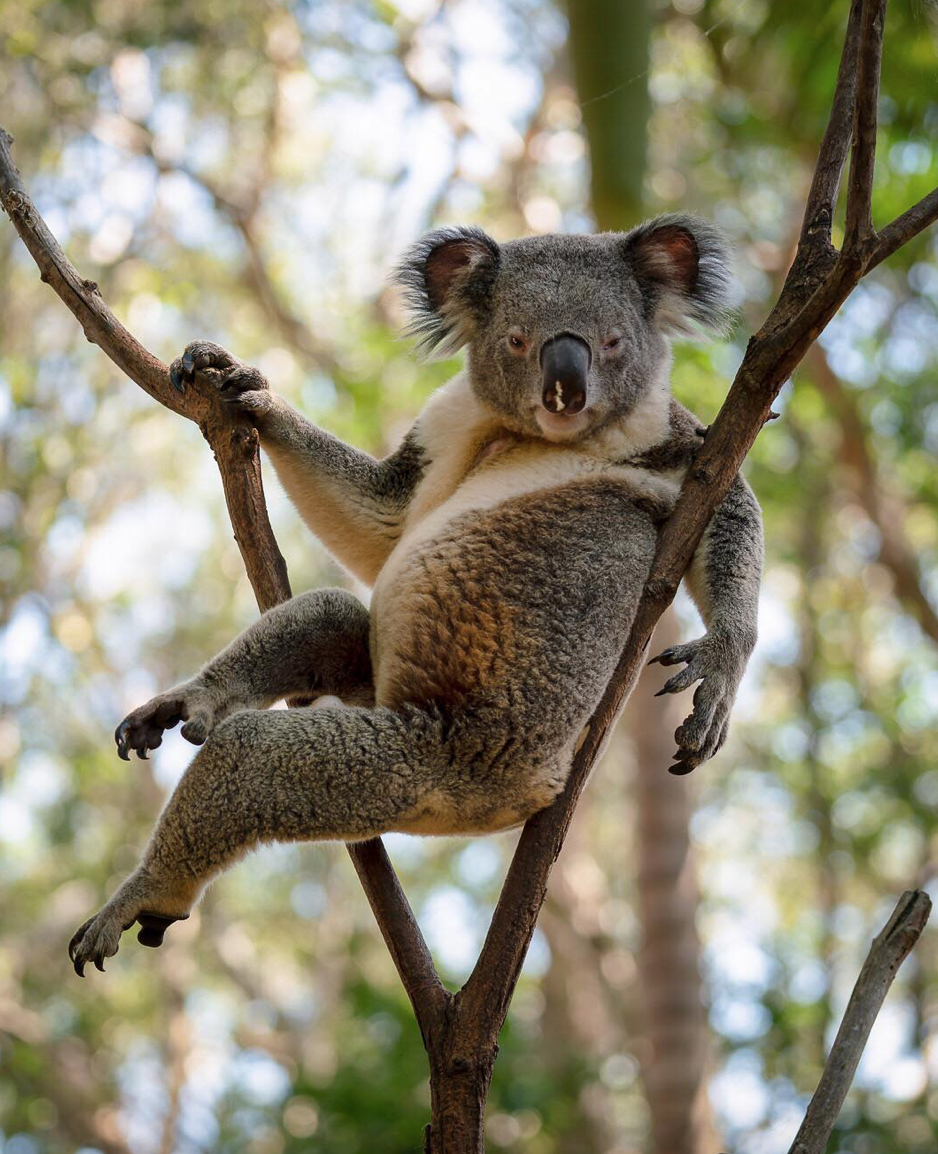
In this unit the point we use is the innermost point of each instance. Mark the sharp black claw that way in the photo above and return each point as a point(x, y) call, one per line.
point(120, 736)
point(177, 380)
point(80, 969)
point(99, 964)
point(142, 754)
point(188, 363)
point(661, 692)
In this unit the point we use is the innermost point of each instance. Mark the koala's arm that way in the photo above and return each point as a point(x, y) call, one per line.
point(723, 579)
point(352, 502)
point(726, 571)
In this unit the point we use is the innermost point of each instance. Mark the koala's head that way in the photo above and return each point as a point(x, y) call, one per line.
point(565, 333)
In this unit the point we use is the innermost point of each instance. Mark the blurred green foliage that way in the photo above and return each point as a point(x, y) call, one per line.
point(248, 173)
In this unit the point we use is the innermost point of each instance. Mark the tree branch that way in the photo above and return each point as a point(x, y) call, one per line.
point(887, 954)
point(860, 188)
point(235, 445)
point(901, 230)
point(832, 155)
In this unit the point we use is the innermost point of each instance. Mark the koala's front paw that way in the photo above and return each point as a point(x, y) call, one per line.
point(719, 666)
point(143, 729)
point(238, 384)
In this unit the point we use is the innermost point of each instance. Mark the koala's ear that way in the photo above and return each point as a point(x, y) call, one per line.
point(683, 268)
point(448, 277)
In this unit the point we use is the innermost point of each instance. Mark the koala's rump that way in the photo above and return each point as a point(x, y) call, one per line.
point(510, 619)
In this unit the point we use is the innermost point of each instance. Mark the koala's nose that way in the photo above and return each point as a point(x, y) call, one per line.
point(565, 363)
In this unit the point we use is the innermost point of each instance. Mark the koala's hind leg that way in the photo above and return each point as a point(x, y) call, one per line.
point(281, 775)
point(314, 644)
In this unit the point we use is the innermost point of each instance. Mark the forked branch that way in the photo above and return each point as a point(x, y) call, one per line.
point(461, 1031)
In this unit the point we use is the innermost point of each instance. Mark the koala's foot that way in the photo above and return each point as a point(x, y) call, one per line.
point(238, 384)
point(719, 667)
point(99, 937)
point(143, 729)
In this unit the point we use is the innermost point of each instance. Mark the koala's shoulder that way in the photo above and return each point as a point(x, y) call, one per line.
point(679, 445)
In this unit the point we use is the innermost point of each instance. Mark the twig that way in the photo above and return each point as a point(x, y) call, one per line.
point(887, 954)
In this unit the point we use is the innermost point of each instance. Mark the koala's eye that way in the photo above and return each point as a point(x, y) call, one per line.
point(611, 343)
point(517, 343)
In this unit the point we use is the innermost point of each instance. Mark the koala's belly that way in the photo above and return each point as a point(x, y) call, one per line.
point(517, 611)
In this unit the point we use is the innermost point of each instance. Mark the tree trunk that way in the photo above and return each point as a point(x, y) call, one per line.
point(459, 1084)
point(609, 54)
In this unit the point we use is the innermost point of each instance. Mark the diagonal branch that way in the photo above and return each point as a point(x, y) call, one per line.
point(236, 447)
point(832, 155)
point(860, 186)
point(888, 952)
point(901, 230)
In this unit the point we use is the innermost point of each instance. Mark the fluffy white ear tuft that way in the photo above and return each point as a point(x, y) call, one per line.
point(683, 268)
point(448, 277)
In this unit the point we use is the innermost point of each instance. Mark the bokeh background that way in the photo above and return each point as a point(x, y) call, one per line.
point(248, 172)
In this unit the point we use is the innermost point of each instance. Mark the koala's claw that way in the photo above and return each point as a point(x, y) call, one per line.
point(95, 940)
point(718, 669)
point(177, 377)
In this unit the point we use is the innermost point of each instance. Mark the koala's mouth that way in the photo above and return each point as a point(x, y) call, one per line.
point(562, 426)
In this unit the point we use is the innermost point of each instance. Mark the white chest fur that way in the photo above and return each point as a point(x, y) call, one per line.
point(477, 464)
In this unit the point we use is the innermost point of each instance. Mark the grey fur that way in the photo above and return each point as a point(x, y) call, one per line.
point(508, 556)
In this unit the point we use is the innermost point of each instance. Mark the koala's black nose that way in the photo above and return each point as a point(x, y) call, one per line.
point(565, 363)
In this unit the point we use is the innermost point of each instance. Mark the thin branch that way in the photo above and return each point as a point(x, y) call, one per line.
point(81, 296)
point(832, 155)
point(236, 447)
point(804, 308)
point(860, 186)
point(901, 230)
point(887, 954)
point(401, 934)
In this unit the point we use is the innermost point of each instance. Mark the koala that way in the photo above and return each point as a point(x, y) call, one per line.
point(507, 542)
